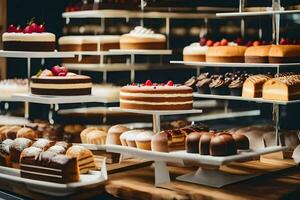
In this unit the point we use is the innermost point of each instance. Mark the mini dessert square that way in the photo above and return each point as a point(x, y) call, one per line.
point(155, 96)
point(60, 82)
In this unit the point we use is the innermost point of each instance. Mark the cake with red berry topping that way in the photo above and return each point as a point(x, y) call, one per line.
point(257, 54)
point(225, 51)
point(32, 38)
point(284, 54)
point(58, 81)
point(155, 96)
point(142, 38)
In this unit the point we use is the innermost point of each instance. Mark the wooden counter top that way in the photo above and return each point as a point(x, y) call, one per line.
point(139, 184)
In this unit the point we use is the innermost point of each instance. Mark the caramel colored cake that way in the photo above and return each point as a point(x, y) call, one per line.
point(28, 42)
point(88, 43)
point(195, 52)
point(226, 54)
point(84, 157)
point(257, 54)
point(253, 85)
point(284, 54)
point(282, 88)
point(160, 97)
point(48, 166)
point(68, 85)
point(142, 38)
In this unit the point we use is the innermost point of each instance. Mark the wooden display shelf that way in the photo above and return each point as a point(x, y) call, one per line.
point(139, 184)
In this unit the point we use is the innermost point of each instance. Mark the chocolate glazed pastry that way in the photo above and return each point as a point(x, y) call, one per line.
point(219, 86)
point(191, 82)
point(222, 144)
point(203, 86)
point(192, 142)
point(236, 87)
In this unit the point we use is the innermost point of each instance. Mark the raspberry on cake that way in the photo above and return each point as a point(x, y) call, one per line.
point(225, 52)
point(59, 81)
point(32, 38)
point(142, 38)
point(155, 96)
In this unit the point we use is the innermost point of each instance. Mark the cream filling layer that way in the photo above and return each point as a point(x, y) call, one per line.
point(40, 167)
point(127, 94)
point(41, 174)
point(32, 37)
point(61, 86)
point(155, 103)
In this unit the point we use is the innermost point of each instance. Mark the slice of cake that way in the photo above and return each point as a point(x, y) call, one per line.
point(32, 38)
point(284, 88)
point(49, 166)
point(150, 96)
point(59, 81)
point(84, 158)
point(253, 85)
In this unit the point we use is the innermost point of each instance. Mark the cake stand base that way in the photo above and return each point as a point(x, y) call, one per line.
point(213, 178)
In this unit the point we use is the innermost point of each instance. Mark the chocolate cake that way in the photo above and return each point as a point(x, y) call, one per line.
point(49, 166)
point(61, 85)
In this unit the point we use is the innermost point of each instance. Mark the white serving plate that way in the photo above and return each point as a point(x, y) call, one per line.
point(180, 156)
point(55, 189)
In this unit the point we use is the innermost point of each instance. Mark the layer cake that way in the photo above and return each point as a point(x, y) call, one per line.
point(28, 42)
point(231, 53)
point(257, 54)
point(156, 97)
point(284, 54)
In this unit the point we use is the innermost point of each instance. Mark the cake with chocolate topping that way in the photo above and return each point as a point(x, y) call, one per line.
point(142, 38)
point(154, 96)
point(253, 85)
point(59, 81)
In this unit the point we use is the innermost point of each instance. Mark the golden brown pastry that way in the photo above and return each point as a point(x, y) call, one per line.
point(252, 87)
point(282, 88)
point(227, 54)
point(257, 54)
point(114, 133)
point(159, 142)
point(10, 132)
point(284, 54)
point(143, 140)
point(84, 133)
point(96, 137)
point(128, 138)
point(85, 158)
point(27, 133)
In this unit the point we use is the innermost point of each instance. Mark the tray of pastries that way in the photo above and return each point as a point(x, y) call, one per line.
point(54, 168)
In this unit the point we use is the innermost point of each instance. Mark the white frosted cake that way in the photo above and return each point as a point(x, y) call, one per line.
point(195, 52)
point(142, 38)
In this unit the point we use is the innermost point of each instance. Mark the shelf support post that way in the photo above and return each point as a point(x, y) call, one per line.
point(156, 123)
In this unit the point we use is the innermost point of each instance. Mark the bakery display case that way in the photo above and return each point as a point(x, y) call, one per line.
point(150, 100)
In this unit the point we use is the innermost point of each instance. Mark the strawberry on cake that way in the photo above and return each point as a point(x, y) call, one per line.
point(32, 38)
point(58, 81)
point(155, 96)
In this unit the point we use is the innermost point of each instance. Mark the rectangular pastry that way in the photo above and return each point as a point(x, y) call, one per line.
point(284, 54)
point(257, 54)
point(252, 87)
point(282, 88)
point(49, 166)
